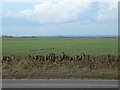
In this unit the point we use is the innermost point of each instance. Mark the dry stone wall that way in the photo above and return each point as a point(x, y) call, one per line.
point(82, 61)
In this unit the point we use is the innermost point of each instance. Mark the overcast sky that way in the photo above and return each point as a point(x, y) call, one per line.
point(62, 17)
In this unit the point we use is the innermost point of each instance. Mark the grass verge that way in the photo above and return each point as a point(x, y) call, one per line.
point(23, 72)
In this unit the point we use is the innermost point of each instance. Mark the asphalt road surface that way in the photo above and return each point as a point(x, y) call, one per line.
point(60, 83)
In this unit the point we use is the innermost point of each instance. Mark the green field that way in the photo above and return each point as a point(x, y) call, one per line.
point(71, 46)
point(20, 69)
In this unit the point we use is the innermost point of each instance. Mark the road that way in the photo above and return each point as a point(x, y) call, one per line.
point(59, 83)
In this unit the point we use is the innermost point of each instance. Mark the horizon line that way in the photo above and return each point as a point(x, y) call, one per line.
point(38, 36)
